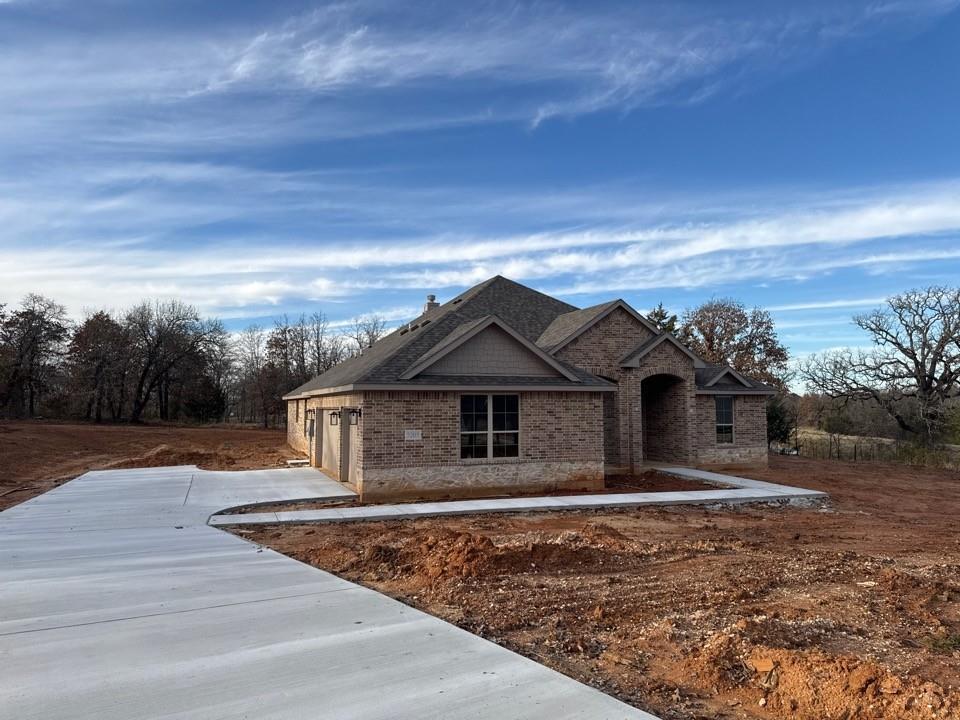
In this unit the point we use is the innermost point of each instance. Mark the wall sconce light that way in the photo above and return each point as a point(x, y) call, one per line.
point(335, 417)
point(355, 416)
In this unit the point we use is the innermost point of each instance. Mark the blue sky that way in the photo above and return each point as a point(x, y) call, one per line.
point(256, 159)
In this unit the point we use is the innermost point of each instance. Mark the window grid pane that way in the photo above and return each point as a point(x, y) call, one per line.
point(506, 444)
point(489, 426)
point(724, 419)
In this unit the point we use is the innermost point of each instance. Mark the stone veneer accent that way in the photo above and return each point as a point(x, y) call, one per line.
point(480, 479)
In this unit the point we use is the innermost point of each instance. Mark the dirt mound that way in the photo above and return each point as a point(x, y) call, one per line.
point(815, 685)
point(450, 554)
point(227, 456)
point(919, 599)
point(163, 455)
point(40, 455)
point(753, 613)
point(811, 684)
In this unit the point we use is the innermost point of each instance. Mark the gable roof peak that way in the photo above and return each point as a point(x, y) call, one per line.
point(567, 327)
point(469, 330)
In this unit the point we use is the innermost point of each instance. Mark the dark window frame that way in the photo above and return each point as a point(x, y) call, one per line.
point(499, 425)
point(724, 419)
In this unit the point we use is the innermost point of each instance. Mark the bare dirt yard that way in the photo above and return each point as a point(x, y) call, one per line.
point(844, 612)
point(37, 456)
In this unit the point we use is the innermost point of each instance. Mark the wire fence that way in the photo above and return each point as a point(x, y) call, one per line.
point(875, 450)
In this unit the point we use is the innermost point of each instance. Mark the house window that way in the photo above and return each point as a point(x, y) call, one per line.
point(724, 405)
point(489, 426)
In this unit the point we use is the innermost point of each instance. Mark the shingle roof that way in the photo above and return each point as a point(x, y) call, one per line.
point(706, 375)
point(525, 310)
point(539, 318)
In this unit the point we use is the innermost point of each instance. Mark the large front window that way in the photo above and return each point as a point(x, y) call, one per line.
point(489, 426)
point(724, 419)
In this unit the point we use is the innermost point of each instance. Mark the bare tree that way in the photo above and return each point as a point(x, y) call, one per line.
point(723, 331)
point(262, 376)
point(34, 338)
point(163, 334)
point(367, 329)
point(912, 371)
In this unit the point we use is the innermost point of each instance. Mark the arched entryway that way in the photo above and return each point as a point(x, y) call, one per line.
point(663, 402)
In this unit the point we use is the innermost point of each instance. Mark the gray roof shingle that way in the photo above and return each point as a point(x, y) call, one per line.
point(527, 311)
point(544, 320)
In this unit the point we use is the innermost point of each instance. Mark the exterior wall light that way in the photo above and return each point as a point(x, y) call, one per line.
point(355, 415)
point(335, 417)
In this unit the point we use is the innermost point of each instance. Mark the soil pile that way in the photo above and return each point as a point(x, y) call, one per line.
point(849, 612)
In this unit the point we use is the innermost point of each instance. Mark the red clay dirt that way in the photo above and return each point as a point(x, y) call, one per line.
point(37, 456)
point(846, 612)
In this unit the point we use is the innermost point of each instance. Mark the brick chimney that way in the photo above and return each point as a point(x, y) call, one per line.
point(431, 303)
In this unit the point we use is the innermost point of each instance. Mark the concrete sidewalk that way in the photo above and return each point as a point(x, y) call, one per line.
point(739, 490)
point(118, 601)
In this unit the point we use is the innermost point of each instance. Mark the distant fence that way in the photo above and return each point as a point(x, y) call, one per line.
point(853, 449)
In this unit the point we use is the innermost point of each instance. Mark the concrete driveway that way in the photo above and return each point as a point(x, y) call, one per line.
point(118, 601)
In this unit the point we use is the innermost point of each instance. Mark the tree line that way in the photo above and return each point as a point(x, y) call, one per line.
point(161, 360)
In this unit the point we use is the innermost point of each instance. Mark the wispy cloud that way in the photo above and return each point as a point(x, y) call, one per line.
point(141, 157)
point(247, 272)
point(825, 304)
point(333, 71)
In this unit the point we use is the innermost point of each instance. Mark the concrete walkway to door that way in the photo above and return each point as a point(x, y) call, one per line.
point(736, 491)
point(117, 600)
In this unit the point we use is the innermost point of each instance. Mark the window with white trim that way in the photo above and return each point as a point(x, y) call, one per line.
point(724, 405)
point(489, 426)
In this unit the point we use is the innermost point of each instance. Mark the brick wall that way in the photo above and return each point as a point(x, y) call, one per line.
point(561, 446)
point(749, 444)
point(599, 350)
point(670, 417)
point(386, 414)
point(296, 430)
point(665, 419)
point(555, 426)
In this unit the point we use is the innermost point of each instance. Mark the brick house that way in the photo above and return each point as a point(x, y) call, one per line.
point(504, 388)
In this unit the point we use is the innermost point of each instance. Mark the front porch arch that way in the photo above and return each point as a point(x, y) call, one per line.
point(664, 400)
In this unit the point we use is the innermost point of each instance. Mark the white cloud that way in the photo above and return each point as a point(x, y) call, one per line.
point(90, 254)
point(335, 71)
point(825, 304)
